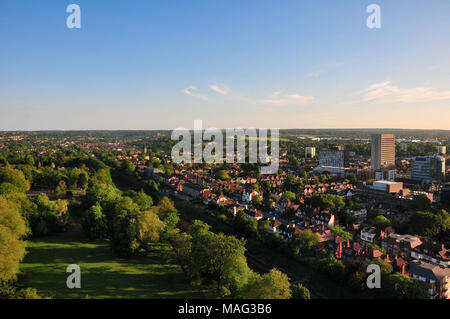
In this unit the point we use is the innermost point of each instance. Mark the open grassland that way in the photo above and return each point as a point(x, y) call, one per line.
point(102, 274)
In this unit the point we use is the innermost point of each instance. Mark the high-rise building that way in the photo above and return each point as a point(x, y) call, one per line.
point(442, 150)
point(383, 151)
point(428, 168)
point(310, 152)
point(335, 157)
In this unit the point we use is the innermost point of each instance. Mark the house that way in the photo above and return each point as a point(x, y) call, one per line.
point(190, 189)
point(432, 252)
point(435, 279)
point(274, 225)
point(253, 214)
point(368, 234)
point(288, 230)
point(400, 245)
point(359, 214)
point(247, 196)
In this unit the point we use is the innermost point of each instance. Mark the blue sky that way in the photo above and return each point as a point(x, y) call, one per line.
point(250, 63)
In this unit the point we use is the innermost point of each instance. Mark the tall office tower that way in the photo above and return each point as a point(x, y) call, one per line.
point(310, 152)
point(383, 150)
point(442, 150)
point(428, 168)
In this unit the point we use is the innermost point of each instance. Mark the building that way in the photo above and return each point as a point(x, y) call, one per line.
point(400, 245)
point(387, 186)
point(434, 279)
point(334, 158)
point(442, 150)
point(445, 194)
point(310, 152)
point(382, 151)
point(428, 168)
point(385, 174)
point(432, 252)
point(404, 147)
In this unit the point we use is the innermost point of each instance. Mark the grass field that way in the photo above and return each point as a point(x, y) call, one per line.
point(102, 274)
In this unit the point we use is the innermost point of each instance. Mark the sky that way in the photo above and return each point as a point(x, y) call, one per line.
point(161, 64)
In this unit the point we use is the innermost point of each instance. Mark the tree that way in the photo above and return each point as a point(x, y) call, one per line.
point(27, 209)
point(144, 201)
point(102, 193)
point(12, 248)
point(420, 202)
point(14, 177)
point(305, 242)
point(300, 292)
point(218, 259)
point(149, 228)
point(94, 223)
point(53, 214)
point(429, 224)
point(288, 196)
point(127, 167)
point(380, 222)
point(83, 180)
point(399, 286)
point(272, 285)
point(222, 175)
point(61, 189)
point(337, 231)
point(8, 188)
point(329, 202)
point(124, 227)
point(386, 268)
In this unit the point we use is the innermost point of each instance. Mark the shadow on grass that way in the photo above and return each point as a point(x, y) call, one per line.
point(102, 274)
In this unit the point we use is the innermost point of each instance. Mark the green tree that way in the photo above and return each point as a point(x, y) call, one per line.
point(14, 177)
point(288, 196)
point(429, 224)
point(300, 292)
point(12, 248)
point(272, 285)
point(61, 189)
point(149, 228)
point(222, 175)
point(305, 242)
point(127, 167)
point(380, 222)
point(94, 222)
point(399, 286)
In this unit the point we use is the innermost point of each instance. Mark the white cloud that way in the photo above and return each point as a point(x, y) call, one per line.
point(279, 98)
point(385, 92)
point(220, 88)
point(191, 92)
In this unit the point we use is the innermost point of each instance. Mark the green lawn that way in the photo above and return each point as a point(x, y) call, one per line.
point(102, 274)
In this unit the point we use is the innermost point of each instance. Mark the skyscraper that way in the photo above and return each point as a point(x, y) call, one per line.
point(383, 151)
point(428, 168)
